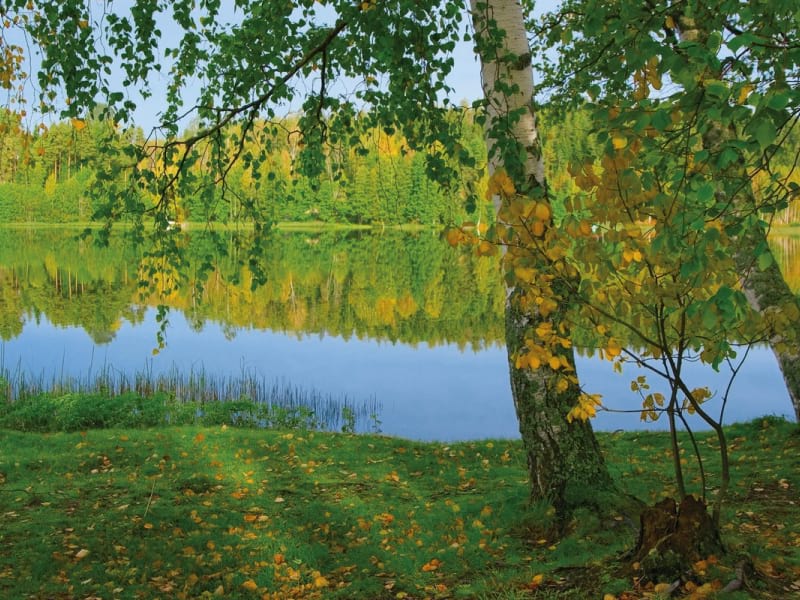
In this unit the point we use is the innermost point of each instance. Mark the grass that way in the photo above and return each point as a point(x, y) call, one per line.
point(196, 512)
point(114, 398)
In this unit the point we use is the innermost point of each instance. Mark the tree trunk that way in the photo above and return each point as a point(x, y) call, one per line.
point(564, 460)
point(565, 464)
point(766, 289)
point(672, 538)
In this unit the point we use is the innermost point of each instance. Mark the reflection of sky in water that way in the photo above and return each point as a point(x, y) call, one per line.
point(426, 393)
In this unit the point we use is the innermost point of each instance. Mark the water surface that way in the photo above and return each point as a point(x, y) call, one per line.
point(402, 318)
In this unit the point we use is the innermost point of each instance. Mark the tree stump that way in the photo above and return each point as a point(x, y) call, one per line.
point(672, 538)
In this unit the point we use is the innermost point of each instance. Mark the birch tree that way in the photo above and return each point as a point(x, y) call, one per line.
point(345, 66)
point(725, 76)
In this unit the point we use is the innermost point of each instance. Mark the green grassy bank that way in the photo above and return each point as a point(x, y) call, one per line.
point(194, 512)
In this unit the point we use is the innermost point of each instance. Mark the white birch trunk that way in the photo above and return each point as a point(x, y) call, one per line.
point(564, 460)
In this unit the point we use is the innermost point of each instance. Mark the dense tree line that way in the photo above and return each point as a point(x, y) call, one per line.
point(46, 175)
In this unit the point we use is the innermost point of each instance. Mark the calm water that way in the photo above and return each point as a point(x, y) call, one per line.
point(405, 319)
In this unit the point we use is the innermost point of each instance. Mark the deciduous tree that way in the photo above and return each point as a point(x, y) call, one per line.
point(394, 58)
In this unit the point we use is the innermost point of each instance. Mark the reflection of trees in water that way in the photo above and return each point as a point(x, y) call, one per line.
point(787, 252)
point(69, 281)
point(11, 309)
point(395, 286)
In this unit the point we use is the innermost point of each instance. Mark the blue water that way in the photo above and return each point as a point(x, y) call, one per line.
point(427, 393)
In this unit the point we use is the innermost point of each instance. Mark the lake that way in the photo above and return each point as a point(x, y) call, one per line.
point(400, 319)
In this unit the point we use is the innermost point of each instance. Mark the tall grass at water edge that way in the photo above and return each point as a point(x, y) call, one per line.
point(113, 398)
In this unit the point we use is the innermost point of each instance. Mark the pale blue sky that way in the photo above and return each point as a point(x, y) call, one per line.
point(465, 79)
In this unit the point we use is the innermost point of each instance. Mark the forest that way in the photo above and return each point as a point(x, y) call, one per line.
point(46, 176)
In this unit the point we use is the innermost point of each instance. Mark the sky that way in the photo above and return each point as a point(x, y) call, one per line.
point(465, 78)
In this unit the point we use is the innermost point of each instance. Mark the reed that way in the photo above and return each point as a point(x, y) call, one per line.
point(203, 389)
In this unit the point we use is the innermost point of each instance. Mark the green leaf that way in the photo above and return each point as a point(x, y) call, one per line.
point(705, 193)
point(765, 133)
point(764, 261)
point(716, 88)
point(778, 101)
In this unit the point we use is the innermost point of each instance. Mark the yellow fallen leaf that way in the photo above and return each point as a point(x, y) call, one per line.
point(81, 554)
point(320, 582)
point(662, 588)
point(250, 585)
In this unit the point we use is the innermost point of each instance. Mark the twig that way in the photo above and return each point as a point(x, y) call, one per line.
point(150, 499)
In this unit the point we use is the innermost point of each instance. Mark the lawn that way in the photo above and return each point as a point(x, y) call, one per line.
point(195, 512)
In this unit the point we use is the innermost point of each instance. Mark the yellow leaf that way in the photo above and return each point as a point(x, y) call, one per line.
point(199, 438)
point(744, 93)
point(500, 183)
point(612, 349)
point(250, 585)
point(662, 588)
point(542, 211)
point(524, 274)
point(454, 237)
point(81, 554)
point(619, 142)
point(554, 363)
point(486, 249)
point(78, 124)
point(320, 582)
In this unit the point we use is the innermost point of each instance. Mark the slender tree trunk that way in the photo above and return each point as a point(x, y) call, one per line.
point(766, 289)
point(564, 461)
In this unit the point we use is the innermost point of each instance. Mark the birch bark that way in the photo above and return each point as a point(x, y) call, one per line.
point(565, 464)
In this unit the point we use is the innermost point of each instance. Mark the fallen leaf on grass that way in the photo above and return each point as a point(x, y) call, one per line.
point(431, 565)
point(250, 585)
